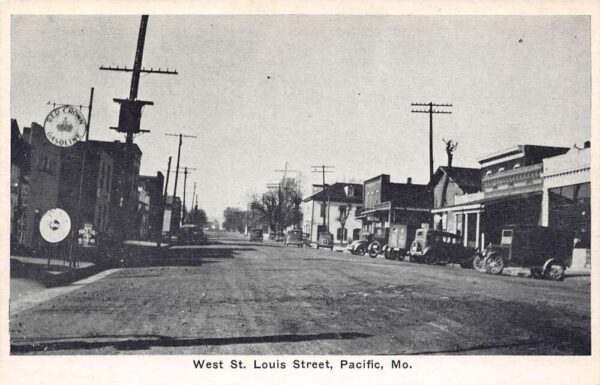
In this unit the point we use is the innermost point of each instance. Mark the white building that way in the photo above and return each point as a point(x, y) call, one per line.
point(325, 209)
point(566, 199)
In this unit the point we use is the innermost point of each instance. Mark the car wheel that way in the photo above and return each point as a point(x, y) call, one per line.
point(430, 258)
point(374, 249)
point(494, 264)
point(360, 250)
point(555, 271)
point(478, 264)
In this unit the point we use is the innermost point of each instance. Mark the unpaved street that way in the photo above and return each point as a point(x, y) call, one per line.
point(236, 297)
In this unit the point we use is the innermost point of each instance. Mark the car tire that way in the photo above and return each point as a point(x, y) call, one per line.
point(478, 264)
point(554, 271)
point(360, 250)
point(374, 249)
point(494, 264)
point(430, 258)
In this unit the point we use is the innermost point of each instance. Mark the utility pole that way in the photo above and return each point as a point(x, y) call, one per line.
point(323, 169)
point(182, 208)
point(185, 173)
point(181, 136)
point(130, 114)
point(87, 131)
point(431, 111)
point(158, 241)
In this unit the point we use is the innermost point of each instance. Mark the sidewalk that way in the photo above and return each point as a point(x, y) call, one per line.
point(55, 273)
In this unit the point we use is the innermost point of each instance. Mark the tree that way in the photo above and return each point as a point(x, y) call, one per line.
point(343, 216)
point(278, 208)
point(234, 219)
point(197, 217)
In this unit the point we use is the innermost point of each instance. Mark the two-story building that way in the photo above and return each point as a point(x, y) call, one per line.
point(333, 209)
point(510, 193)
point(447, 184)
point(385, 202)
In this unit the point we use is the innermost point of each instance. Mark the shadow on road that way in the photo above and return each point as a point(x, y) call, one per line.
point(180, 256)
point(136, 342)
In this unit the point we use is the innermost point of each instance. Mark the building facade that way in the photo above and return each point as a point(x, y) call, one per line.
point(510, 193)
point(386, 202)
point(19, 185)
point(331, 206)
point(566, 199)
point(150, 196)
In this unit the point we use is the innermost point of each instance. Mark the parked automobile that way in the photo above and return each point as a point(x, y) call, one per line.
point(272, 236)
point(189, 234)
point(546, 251)
point(279, 237)
point(325, 240)
point(440, 247)
point(306, 239)
point(294, 237)
point(396, 246)
point(360, 246)
point(255, 235)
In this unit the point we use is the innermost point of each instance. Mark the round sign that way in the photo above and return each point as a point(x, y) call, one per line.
point(65, 126)
point(55, 225)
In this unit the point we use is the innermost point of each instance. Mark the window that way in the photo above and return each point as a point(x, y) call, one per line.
point(488, 172)
point(339, 234)
point(516, 166)
point(501, 169)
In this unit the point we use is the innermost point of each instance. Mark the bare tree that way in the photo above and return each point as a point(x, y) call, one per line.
point(450, 148)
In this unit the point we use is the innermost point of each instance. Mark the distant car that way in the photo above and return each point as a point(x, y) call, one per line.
point(272, 236)
point(325, 240)
point(294, 237)
point(255, 235)
point(189, 235)
point(280, 237)
point(306, 239)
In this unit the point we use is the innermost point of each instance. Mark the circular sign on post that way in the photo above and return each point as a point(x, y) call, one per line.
point(55, 225)
point(65, 126)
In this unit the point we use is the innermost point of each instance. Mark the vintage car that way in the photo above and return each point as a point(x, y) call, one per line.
point(360, 246)
point(545, 251)
point(396, 246)
point(306, 239)
point(325, 240)
point(294, 237)
point(189, 234)
point(255, 235)
point(272, 236)
point(440, 247)
point(279, 237)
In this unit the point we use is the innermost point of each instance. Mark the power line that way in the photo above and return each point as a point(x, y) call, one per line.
point(430, 111)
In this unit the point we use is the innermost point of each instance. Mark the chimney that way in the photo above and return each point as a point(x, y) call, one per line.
point(409, 180)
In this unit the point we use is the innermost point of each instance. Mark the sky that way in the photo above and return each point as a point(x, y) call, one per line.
point(260, 91)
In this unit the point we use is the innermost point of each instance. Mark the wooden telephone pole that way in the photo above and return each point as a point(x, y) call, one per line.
point(431, 111)
point(130, 113)
point(323, 170)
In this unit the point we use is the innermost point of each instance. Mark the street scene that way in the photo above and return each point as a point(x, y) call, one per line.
point(300, 185)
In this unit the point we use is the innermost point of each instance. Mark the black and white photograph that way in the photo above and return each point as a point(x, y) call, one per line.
point(277, 186)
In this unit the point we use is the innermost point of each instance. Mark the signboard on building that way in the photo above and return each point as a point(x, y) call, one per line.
point(166, 222)
point(55, 225)
point(64, 126)
point(87, 236)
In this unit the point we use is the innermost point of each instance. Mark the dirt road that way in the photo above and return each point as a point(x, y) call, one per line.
point(235, 297)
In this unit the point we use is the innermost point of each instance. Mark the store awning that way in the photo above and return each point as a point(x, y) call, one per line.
point(487, 202)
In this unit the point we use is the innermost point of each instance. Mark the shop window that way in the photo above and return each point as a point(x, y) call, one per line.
point(355, 234)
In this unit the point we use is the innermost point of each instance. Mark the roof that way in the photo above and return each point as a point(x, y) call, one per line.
point(468, 179)
point(337, 193)
point(522, 149)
